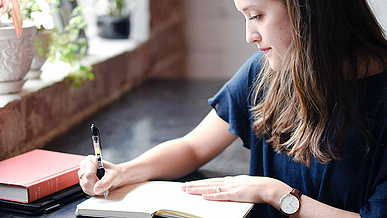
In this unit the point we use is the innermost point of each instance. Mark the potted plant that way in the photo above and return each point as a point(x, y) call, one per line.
point(115, 24)
point(40, 13)
point(67, 47)
point(17, 47)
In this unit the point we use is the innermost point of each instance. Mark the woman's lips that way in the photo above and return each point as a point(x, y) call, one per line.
point(265, 50)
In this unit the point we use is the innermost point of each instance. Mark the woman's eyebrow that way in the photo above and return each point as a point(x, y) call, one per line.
point(246, 8)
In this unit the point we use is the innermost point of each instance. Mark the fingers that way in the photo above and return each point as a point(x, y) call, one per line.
point(104, 184)
point(213, 191)
point(87, 174)
point(221, 189)
point(207, 190)
point(204, 183)
point(207, 186)
point(88, 179)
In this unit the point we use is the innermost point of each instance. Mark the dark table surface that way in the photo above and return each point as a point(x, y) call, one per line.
point(157, 111)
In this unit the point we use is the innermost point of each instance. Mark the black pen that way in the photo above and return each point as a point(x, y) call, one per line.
point(96, 139)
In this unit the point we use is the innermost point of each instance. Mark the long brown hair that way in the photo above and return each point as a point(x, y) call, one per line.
point(305, 110)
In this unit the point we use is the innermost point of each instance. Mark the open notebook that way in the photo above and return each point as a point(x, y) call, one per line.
point(165, 199)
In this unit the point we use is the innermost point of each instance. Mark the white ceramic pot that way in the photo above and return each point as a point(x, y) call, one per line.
point(15, 56)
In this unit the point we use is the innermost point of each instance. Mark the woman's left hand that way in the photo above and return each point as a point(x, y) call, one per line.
point(239, 188)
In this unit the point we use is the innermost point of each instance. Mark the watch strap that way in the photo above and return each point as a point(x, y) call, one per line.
point(296, 193)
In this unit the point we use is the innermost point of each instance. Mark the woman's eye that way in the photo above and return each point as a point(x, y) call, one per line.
point(256, 17)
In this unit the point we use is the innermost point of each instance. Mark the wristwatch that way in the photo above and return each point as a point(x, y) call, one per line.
point(290, 203)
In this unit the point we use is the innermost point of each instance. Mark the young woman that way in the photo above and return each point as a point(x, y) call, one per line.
point(312, 107)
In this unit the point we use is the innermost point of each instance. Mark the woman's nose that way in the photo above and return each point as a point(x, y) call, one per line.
point(252, 35)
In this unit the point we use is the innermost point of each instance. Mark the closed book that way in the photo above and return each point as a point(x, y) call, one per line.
point(160, 198)
point(36, 174)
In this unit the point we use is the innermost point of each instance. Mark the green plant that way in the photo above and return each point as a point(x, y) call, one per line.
point(115, 7)
point(119, 8)
point(39, 12)
point(66, 46)
point(69, 48)
point(16, 15)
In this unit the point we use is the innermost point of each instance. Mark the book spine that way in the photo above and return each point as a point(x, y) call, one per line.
point(52, 185)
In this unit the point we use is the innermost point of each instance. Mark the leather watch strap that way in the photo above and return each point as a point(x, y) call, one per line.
point(296, 193)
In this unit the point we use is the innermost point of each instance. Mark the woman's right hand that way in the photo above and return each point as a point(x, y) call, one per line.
point(169, 160)
point(89, 181)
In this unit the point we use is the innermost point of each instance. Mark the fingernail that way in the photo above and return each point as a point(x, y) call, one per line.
point(98, 190)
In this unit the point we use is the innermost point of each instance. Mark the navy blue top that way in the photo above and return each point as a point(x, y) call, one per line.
point(357, 182)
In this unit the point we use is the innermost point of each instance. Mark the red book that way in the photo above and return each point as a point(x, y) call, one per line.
point(36, 174)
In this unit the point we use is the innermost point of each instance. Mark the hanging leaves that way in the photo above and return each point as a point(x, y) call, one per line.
point(16, 16)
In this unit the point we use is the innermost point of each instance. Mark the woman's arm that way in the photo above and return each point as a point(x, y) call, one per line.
point(260, 190)
point(313, 208)
point(169, 160)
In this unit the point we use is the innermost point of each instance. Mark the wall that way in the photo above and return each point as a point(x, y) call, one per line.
point(216, 37)
point(38, 116)
point(380, 9)
point(216, 44)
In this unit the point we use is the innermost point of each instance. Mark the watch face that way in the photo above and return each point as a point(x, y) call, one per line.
point(289, 204)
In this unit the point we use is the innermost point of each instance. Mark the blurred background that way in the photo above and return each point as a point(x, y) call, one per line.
point(214, 33)
point(198, 40)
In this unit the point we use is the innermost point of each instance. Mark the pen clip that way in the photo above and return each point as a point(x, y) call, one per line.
point(96, 133)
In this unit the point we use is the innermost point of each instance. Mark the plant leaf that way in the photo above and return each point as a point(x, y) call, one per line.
point(4, 6)
point(16, 17)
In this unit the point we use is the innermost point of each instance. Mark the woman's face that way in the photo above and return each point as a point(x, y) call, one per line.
point(267, 25)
